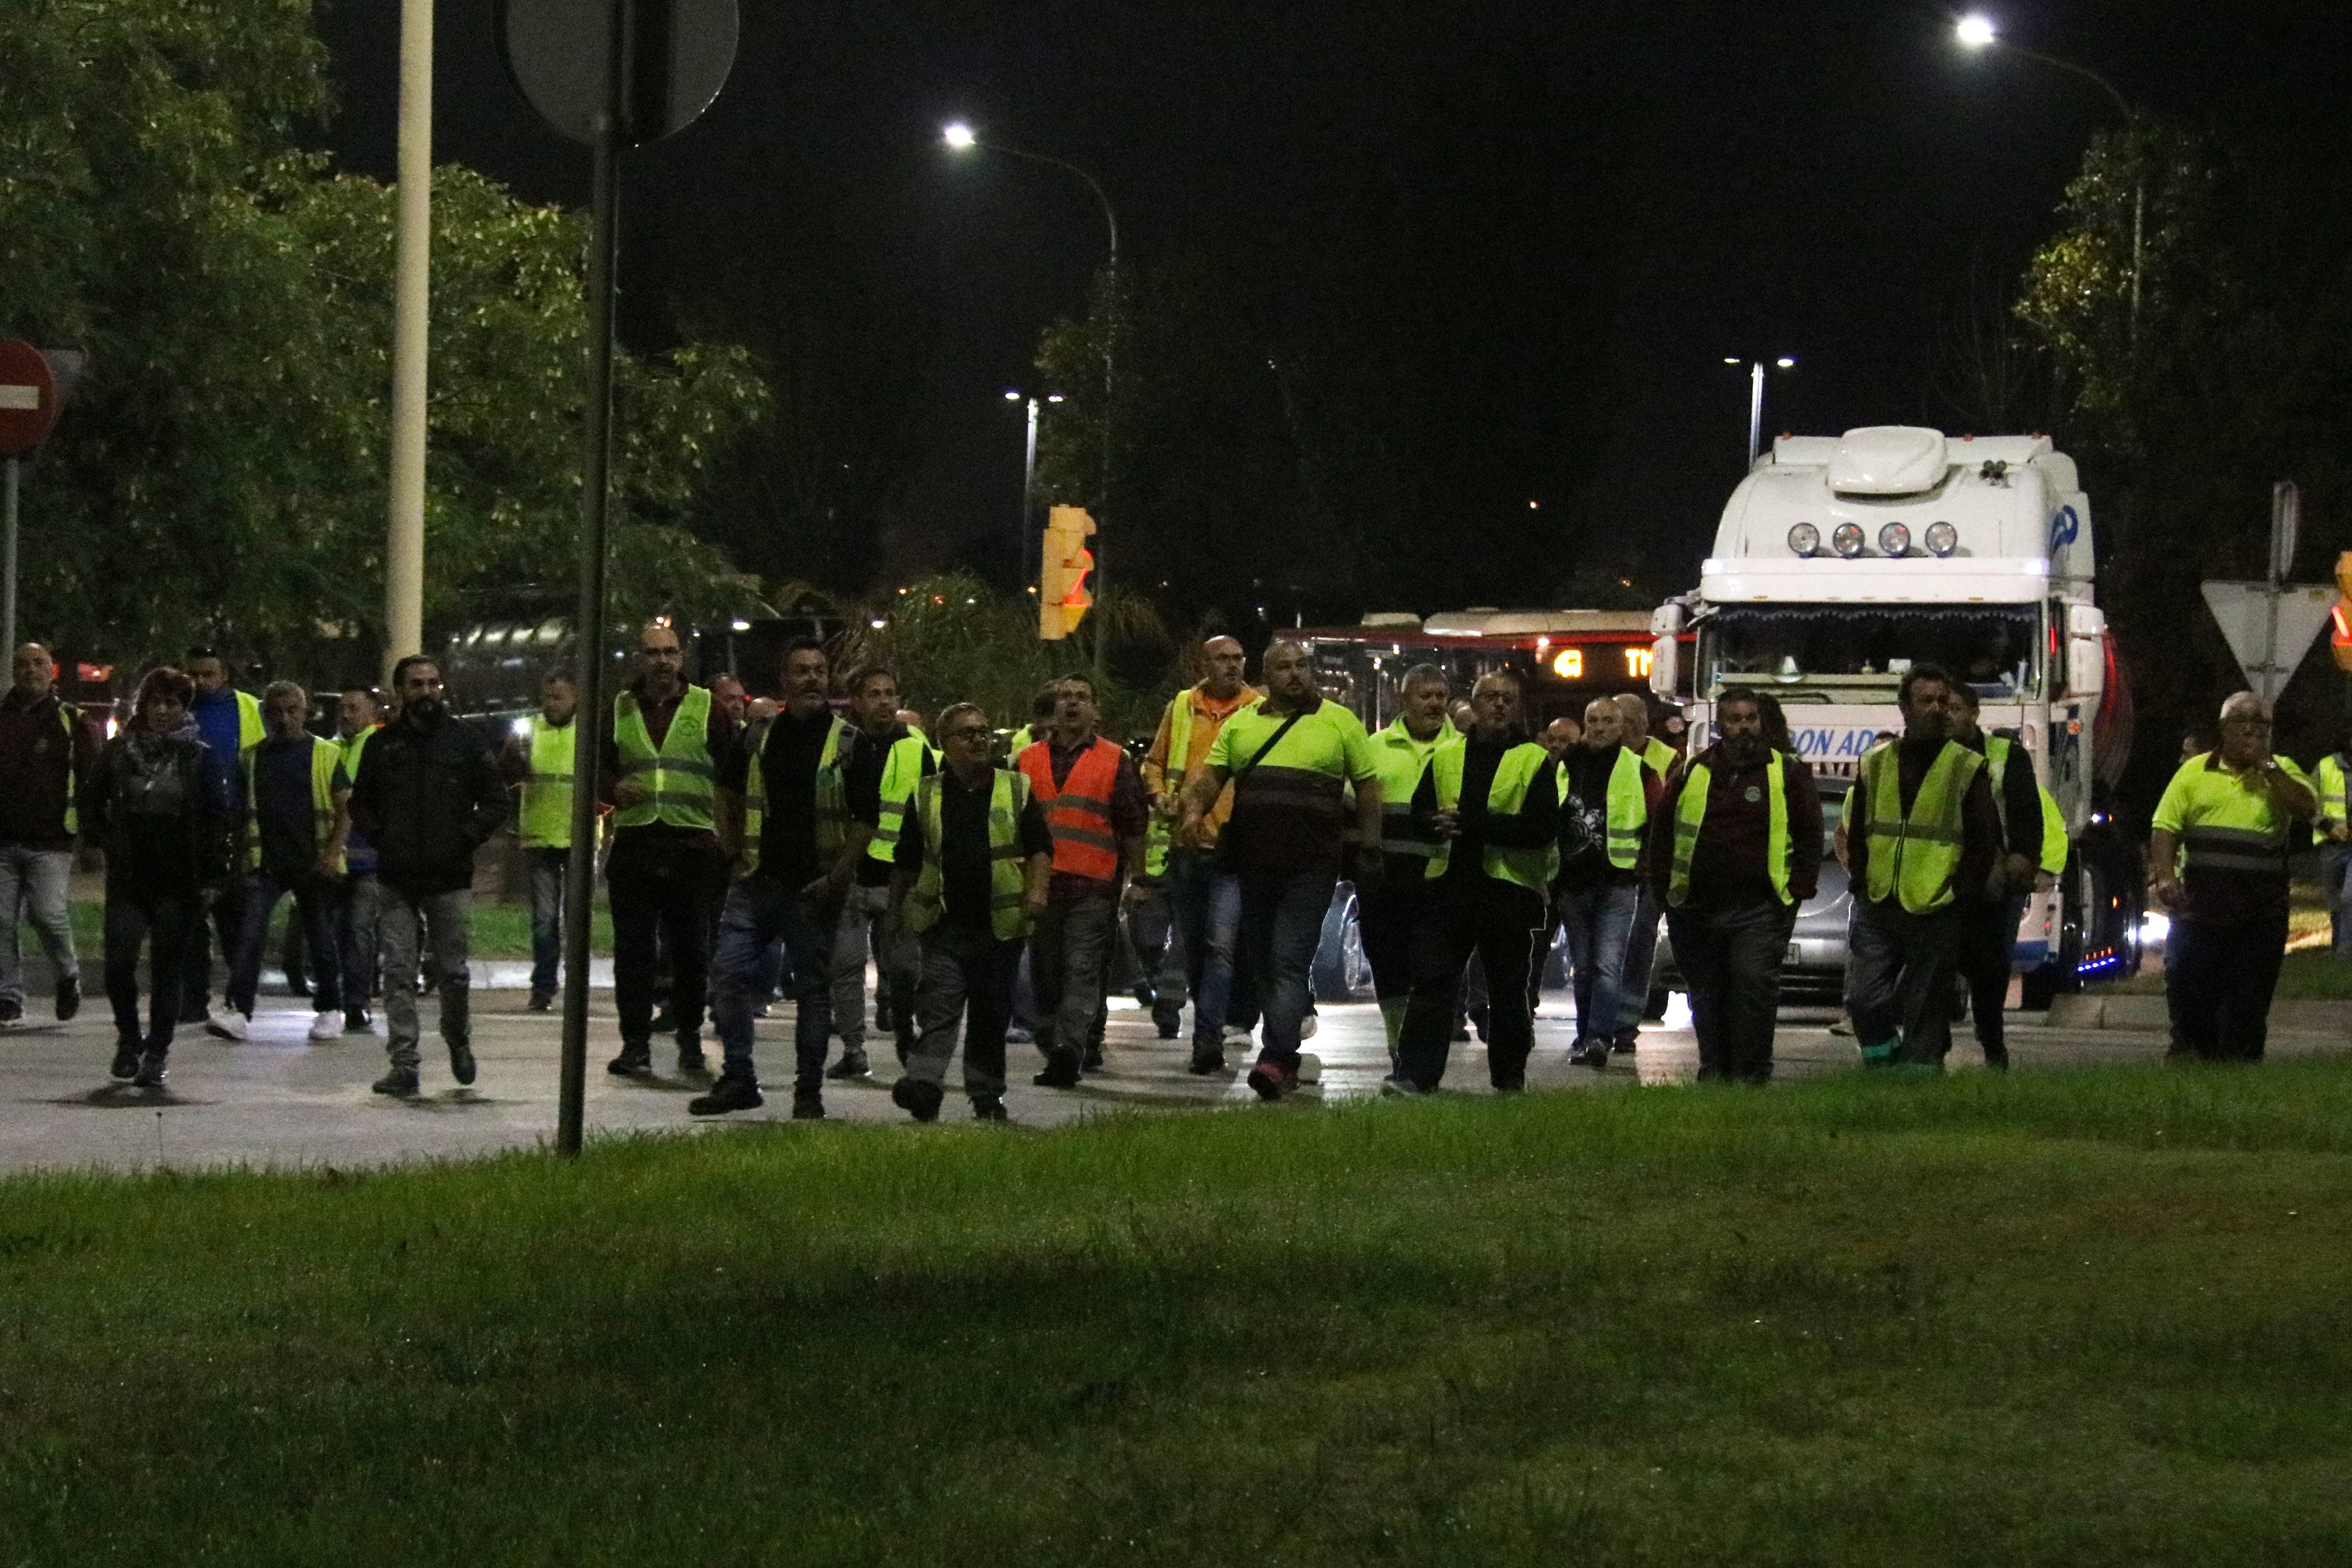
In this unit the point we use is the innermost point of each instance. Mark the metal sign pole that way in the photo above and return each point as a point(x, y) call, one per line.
point(8, 569)
point(580, 867)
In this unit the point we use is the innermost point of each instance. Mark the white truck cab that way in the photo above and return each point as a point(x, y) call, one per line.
point(1841, 560)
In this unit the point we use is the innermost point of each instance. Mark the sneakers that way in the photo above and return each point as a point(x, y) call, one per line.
point(1594, 1054)
point(853, 1064)
point(540, 1000)
point(1061, 1070)
point(808, 1105)
point(69, 997)
point(1271, 1080)
point(1623, 1044)
point(1093, 1060)
point(635, 1061)
point(358, 1021)
point(10, 1010)
point(1308, 1025)
point(731, 1092)
point(689, 1059)
point(1238, 1033)
point(1396, 1085)
point(461, 1062)
point(326, 1026)
point(987, 1109)
point(227, 1023)
point(1169, 1024)
point(400, 1083)
point(1020, 1035)
point(918, 1099)
point(1205, 1062)
point(126, 1061)
point(151, 1071)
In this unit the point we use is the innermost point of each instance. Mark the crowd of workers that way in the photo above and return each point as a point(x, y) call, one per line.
point(754, 851)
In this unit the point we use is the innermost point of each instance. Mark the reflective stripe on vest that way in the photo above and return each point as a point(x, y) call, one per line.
point(1398, 762)
point(2207, 849)
point(1918, 856)
point(902, 770)
point(1078, 810)
point(546, 816)
point(326, 756)
point(1515, 771)
point(1008, 882)
point(680, 780)
point(831, 827)
point(1690, 816)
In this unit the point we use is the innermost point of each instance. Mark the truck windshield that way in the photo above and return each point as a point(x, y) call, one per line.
point(1825, 653)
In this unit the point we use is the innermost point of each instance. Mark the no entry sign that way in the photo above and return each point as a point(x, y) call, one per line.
point(28, 397)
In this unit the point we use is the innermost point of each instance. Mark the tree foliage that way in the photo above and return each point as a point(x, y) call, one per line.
point(222, 472)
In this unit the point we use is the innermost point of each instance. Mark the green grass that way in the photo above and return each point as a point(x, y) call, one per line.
point(2065, 1319)
point(497, 931)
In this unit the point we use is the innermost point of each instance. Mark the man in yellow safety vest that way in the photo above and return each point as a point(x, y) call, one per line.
point(1989, 920)
point(1391, 902)
point(1605, 792)
point(881, 765)
point(1641, 953)
point(1735, 847)
point(2333, 779)
point(230, 721)
point(297, 815)
point(2218, 862)
point(660, 766)
point(540, 761)
point(359, 717)
point(1923, 835)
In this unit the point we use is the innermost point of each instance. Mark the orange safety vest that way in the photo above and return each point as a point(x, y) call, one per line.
point(1078, 813)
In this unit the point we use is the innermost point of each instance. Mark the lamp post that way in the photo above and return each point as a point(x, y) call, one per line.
point(1976, 31)
point(1029, 473)
point(403, 556)
point(1756, 398)
point(961, 137)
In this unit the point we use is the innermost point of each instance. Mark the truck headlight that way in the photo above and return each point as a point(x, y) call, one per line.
point(1847, 539)
point(1942, 539)
point(1804, 538)
point(1894, 540)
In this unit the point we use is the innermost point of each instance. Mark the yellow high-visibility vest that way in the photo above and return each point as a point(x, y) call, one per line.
point(1690, 816)
point(1918, 856)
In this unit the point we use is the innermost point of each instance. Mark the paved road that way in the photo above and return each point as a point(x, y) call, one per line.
point(279, 1101)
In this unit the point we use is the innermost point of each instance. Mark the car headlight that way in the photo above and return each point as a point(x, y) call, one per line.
point(1942, 539)
point(1847, 539)
point(1894, 540)
point(1804, 538)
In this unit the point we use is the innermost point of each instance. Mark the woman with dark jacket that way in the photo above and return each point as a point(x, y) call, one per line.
point(156, 805)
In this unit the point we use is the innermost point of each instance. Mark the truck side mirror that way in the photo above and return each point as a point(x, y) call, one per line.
point(2086, 650)
point(1665, 673)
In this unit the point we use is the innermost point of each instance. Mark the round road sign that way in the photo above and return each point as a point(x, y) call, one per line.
point(28, 397)
point(674, 57)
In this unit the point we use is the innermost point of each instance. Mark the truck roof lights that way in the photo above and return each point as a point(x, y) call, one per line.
point(1847, 539)
point(1894, 540)
point(1805, 539)
point(1942, 539)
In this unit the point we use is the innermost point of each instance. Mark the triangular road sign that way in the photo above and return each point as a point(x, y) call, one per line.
point(2268, 649)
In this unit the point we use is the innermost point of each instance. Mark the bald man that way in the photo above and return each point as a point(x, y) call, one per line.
point(45, 751)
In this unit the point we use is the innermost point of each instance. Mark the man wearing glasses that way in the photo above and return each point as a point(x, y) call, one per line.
point(971, 872)
point(2218, 863)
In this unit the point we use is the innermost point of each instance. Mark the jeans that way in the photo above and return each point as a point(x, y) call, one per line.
point(1281, 925)
point(1069, 952)
point(1898, 982)
point(661, 891)
point(1987, 940)
point(444, 918)
point(356, 924)
point(967, 978)
point(760, 913)
point(548, 868)
point(1500, 921)
point(32, 884)
point(1205, 947)
point(1642, 951)
point(1731, 955)
point(167, 920)
point(1158, 956)
point(897, 961)
point(316, 899)
point(2218, 981)
point(1600, 919)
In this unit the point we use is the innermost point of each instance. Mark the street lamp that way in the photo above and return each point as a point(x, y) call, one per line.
point(1029, 472)
point(1976, 31)
point(959, 137)
point(1756, 398)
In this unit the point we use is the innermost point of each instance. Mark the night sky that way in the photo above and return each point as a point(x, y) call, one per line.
point(1578, 212)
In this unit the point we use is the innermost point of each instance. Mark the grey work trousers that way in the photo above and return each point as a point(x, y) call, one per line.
point(32, 884)
point(1898, 982)
point(967, 983)
point(444, 916)
point(897, 961)
point(1069, 951)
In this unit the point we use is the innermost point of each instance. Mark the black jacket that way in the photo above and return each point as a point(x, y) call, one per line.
point(155, 805)
point(427, 799)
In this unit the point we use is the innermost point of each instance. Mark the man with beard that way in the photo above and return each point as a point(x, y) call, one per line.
point(1735, 847)
point(1605, 795)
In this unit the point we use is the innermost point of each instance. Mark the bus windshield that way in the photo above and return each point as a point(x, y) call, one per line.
point(1831, 653)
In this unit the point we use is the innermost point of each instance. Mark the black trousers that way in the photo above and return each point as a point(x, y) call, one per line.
point(1987, 937)
point(168, 920)
point(1387, 914)
point(1731, 955)
point(2218, 981)
point(662, 890)
point(1898, 982)
point(1501, 922)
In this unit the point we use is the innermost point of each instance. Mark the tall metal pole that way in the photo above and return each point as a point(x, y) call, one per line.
point(403, 555)
point(1028, 486)
point(579, 866)
point(1111, 388)
point(1755, 411)
point(8, 568)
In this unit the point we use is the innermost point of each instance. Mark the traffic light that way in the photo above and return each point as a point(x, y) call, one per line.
point(1061, 598)
point(2339, 620)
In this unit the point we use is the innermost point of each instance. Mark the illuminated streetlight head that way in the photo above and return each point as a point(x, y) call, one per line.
point(1012, 397)
point(1975, 30)
point(1786, 362)
point(958, 136)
